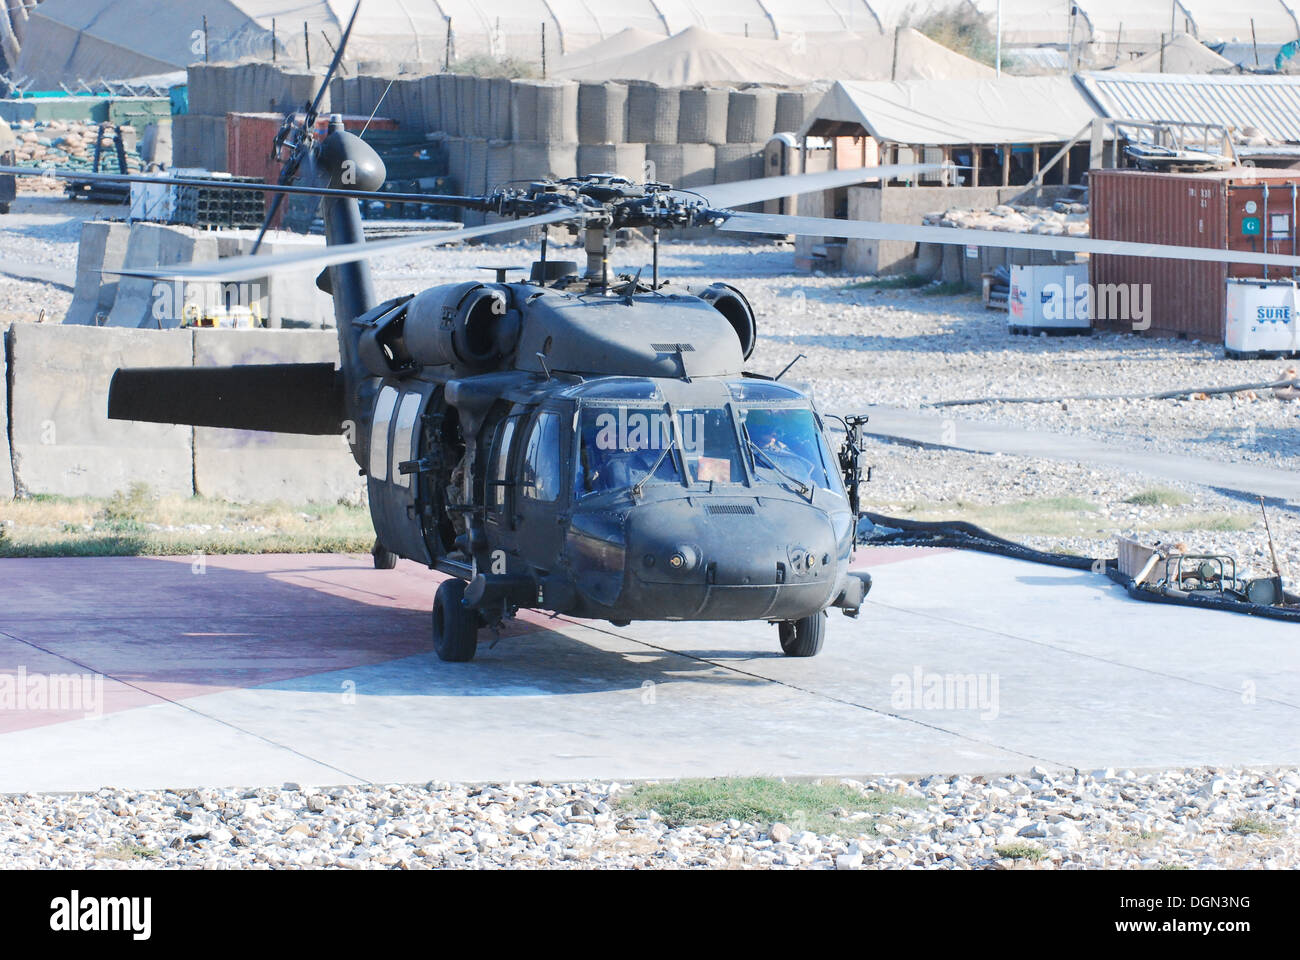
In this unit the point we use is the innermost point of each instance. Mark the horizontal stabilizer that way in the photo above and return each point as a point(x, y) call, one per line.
point(277, 397)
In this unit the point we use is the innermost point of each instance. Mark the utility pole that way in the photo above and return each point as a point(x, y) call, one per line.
point(998, 64)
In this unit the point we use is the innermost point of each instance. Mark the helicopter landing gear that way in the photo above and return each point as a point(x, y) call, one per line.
point(455, 626)
point(803, 637)
point(385, 559)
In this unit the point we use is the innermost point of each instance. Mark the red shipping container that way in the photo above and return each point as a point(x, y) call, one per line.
point(250, 137)
point(1239, 209)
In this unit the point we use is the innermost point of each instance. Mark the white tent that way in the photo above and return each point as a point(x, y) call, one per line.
point(994, 110)
point(1180, 55)
point(698, 56)
point(119, 38)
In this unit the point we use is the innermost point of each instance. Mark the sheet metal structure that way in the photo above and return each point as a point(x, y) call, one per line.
point(1269, 103)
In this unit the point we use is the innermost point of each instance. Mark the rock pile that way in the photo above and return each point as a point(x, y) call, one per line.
point(1062, 219)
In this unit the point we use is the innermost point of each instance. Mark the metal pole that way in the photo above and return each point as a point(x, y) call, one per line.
point(273, 39)
point(543, 49)
point(1254, 45)
point(306, 43)
point(998, 67)
point(446, 60)
point(205, 38)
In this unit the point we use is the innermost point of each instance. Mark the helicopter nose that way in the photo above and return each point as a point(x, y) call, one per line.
point(760, 558)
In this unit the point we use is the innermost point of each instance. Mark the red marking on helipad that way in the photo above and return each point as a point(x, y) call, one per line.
point(157, 630)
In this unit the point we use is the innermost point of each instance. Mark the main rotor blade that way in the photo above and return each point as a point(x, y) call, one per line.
point(450, 200)
point(250, 267)
point(874, 230)
point(773, 188)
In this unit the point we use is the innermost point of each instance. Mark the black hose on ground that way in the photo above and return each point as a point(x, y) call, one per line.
point(875, 529)
point(959, 535)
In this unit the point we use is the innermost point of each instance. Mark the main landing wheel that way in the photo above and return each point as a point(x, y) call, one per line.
point(803, 637)
point(455, 626)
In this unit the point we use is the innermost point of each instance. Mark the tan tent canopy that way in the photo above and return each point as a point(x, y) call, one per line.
point(1182, 54)
point(698, 56)
point(993, 110)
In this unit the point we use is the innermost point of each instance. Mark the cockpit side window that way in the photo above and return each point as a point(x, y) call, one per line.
point(499, 477)
point(541, 466)
point(787, 443)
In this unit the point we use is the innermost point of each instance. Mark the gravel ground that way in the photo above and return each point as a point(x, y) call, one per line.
point(1200, 818)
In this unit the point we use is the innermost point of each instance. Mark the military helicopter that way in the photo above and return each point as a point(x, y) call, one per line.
point(577, 442)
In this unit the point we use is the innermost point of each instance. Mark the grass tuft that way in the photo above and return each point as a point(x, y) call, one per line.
point(1248, 825)
point(1020, 851)
point(1159, 497)
point(822, 808)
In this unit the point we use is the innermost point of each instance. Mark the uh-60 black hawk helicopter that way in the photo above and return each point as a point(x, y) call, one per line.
point(575, 442)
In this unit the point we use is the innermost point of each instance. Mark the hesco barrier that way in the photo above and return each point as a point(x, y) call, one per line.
point(64, 443)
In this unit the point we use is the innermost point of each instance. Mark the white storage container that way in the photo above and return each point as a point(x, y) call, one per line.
point(1049, 298)
point(1260, 319)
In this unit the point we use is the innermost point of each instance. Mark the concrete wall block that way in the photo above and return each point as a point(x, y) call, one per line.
point(149, 303)
point(63, 441)
point(103, 247)
point(6, 460)
point(251, 465)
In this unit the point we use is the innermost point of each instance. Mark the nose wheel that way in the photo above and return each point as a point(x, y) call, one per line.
point(802, 637)
point(455, 626)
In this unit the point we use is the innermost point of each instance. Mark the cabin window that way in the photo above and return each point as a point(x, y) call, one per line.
point(404, 437)
point(379, 432)
point(541, 469)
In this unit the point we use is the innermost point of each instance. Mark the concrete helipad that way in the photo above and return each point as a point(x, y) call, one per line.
point(160, 672)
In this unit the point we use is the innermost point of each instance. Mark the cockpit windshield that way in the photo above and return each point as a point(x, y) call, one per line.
point(623, 446)
point(788, 447)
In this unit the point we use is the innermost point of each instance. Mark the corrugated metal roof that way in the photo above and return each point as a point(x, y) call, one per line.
point(1271, 104)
